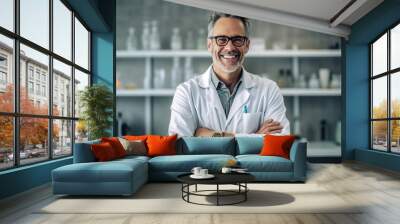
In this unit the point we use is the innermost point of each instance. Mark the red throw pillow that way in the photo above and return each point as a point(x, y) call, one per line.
point(277, 145)
point(135, 137)
point(161, 145)
point(116, 145)
point(103, 152)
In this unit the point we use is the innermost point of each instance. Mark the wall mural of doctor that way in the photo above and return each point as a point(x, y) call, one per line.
point(226, 99)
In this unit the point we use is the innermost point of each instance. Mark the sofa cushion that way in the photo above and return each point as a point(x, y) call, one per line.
point(103, 152)
point(206, 145)
point(134, 147)
point(135, 137)
point(133, 158)
point(257, 163)
point(112, 171)
point(185, 163)
point(83, 152)
point(277, 145)
point(161, 145)
point(116, 145)
point(249, 145)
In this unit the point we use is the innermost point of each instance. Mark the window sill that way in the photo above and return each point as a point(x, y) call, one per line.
point(26, 167)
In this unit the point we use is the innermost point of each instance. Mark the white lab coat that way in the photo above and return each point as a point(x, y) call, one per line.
point(196, 104)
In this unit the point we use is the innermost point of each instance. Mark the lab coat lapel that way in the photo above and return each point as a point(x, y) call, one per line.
point(242, 97)
point(216, 111)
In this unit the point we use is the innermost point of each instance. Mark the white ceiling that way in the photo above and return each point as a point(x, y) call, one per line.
point(320, 9)
point(325, 16)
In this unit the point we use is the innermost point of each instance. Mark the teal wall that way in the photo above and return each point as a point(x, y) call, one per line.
point(24, 178)
point(99, 15)
point(356, 104)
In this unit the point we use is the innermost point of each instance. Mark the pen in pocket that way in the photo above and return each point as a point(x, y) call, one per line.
point(245, 109)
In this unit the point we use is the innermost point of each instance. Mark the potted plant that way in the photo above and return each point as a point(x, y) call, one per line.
point(96, 102)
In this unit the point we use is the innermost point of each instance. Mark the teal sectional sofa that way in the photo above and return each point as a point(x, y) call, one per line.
point(125, 176)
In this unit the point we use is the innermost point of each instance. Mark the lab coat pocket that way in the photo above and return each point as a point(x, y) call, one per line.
point(250, 122)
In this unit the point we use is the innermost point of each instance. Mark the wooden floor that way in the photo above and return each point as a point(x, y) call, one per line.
point(378, 188)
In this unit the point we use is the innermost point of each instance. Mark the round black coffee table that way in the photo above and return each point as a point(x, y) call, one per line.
point(238, 179)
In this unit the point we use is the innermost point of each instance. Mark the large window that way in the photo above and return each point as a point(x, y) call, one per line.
point(385, 91)
point(44, 64)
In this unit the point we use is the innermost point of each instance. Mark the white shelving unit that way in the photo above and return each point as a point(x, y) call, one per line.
point(121, 54)
point(171, 92)
point(294, 55)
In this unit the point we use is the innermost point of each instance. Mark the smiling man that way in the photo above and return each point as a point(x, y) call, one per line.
point(226, 99)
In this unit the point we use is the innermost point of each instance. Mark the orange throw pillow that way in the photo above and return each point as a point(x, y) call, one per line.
point(116, 145)
point(103, 152)
point(277, 145)
point(161, 145)
point(135, 137)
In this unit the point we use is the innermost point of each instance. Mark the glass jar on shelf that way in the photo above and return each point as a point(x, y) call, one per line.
point(146, 36)
point(176, 73)
point(336, 82)
point(189, 73)
point(159, 78)
point(155, 36)
point(189, 42)
point(289, 78)
point(301, 81)
point(201, 40)
point(313, 82)
point(176, 40)
point(131, 40)
point(281, 79)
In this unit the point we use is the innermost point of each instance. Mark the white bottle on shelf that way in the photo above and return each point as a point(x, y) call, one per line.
point(324, 77)
point(176, 40)
point(302, 83)
point(131, 40)
point(155, 36)
point(176, 73)
point(335, 83)
point(159, 78)
point(201, 40)
point(313, 83)
point(146, 82)
point(146, 36)
point(190, 42)
point(188, 68)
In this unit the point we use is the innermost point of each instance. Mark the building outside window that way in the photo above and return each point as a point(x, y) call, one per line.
point(37, 89)
point(3, 61)
point(43, 90)
point(30, 87)
point(34, 79)
point(30, 72)
point(37, 75)
point(3, 71)
point(43, 78)
point(3, 79)
point(384, 92)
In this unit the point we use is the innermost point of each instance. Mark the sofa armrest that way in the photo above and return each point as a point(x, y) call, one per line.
point(83, 152)
point(298, 155)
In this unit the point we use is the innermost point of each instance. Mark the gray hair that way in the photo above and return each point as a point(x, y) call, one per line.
point(215, 16)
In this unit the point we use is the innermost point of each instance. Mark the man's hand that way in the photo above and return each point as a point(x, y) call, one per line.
point(205, 132)
point(270, 127)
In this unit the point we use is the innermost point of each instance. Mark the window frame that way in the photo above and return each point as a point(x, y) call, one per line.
point(388, 74)
point(16, 114)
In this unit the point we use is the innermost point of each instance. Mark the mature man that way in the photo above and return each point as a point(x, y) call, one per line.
point(227, 99)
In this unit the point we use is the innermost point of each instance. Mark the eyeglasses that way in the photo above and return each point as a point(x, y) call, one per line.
point(237, 41)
